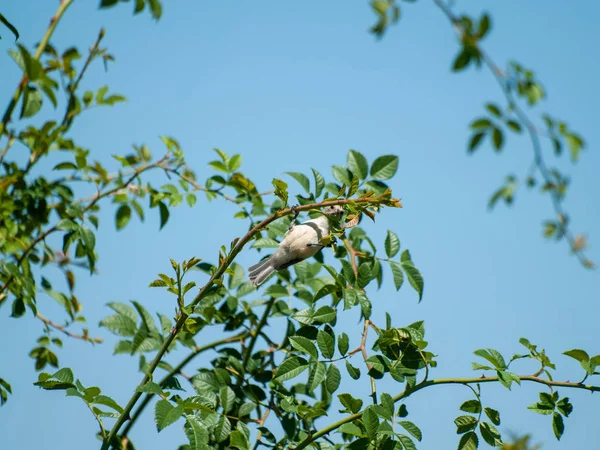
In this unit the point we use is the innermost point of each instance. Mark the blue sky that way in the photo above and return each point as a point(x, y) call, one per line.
point(295, 85)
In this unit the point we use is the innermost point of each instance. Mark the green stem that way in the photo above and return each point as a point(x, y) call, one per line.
point(262, 322)
point(466, 381)
point(178, 369)
point(64, 4)
point(206, 289)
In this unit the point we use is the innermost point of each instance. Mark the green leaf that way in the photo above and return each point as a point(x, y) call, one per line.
point(358, 164)
point(326, 344)
point(227, 398)
point(579, 355)
point(196, 432)
point(164, 214)
point(392, 244)
point(476, 139)
point(558, 425)
point(149, 388)
point(370, 421)
point(334, 377)
point(343, 343)
point(575, 144)
point(319, 183)
point(32, 101)
point(166, 414)
point(493, 415)
point(234, 163)
point(493, 109)
point(471, 406)
point(465, 423)
point(506, 378)
point(468, 441)
point(107, 401)
point(291, 368)
point(384, 167)
point(492, 356)
point(490, 434)
point(302, 179)
point(497, 138)
point(407, 442)
point(123, 216)
point(364, 275)
point(461, 61)
point(315, 376)
point(411, 428)
point(304, 345)
point(354, 372)
point(414, 278)
point(514, 126)
point(280, 190)
point(222, 429)
point(237, 439)
point(397, 274)
point(325, 314)
point(341, 174)
point(352, 404)
point(246, 409)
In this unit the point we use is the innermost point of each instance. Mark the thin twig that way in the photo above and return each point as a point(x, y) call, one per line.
point(62, 329)
point(534, 134)
point(68, 117)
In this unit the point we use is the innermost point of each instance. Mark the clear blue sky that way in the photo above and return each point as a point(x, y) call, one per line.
point(295, 85)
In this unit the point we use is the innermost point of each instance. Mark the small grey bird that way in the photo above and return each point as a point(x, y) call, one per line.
point(300, 242)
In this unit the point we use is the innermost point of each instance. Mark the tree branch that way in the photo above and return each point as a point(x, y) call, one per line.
point(531, 130)
point(177, 369)
point(83, 337)
point(224, 263)
point(64, 4)
point(465, 381)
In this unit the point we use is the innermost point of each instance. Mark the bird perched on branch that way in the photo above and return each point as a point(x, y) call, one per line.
point(300, 242)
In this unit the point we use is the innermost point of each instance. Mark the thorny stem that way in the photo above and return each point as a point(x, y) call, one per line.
point(465, 381)
point(177, 370)
point(531, 130)
point(83, 337)
point(64, 4)
point(224, 263)
point(261, 423)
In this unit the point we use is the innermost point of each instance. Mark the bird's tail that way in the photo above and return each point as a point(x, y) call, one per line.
point(261, 271)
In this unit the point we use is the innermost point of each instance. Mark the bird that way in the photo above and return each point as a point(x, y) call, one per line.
point(299, 243)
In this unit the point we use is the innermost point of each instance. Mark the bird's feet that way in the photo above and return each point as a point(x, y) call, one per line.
point(296, 212)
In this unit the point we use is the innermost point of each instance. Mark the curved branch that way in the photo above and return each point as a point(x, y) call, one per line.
point(466, 381)
point(531, 130)
point(225, 262)
point(177, 369)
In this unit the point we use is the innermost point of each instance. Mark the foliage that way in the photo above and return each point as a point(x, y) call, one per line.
point(293, 381)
